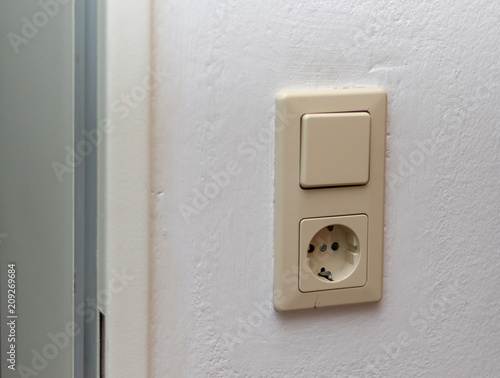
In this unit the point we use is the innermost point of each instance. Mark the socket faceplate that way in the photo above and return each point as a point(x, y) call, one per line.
point(333, 244)
point(294, 205)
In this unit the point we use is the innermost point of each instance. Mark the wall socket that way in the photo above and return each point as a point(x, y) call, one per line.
point(333, 252)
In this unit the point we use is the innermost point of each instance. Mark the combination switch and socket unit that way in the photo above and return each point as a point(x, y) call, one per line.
point(329, 197)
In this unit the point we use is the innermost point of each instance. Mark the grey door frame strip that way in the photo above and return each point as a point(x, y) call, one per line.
point(86, 348)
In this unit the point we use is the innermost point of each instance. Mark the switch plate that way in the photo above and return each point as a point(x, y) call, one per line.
point(300, 213)
point(335, 149)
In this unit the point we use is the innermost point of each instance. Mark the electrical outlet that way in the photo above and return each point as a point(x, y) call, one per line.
point(333, 252)
point(329, 197)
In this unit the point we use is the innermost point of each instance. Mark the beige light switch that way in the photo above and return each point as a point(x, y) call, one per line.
point(329, 241)
point(335, 149)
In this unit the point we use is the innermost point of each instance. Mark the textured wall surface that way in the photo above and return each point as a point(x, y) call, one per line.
point(213, 261)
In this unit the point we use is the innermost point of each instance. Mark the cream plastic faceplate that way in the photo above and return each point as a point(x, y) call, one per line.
point(330, 169)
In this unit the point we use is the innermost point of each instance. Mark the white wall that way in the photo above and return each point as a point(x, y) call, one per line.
point(225, 61)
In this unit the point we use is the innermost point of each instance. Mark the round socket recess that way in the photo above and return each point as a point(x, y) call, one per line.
point(333, 252)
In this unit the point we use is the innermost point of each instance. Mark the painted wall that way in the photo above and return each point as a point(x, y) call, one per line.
point(224, 62)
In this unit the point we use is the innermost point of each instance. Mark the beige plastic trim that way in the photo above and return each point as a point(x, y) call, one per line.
point(293, 203)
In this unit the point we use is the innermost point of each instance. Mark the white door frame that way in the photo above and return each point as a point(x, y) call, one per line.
point(126, 82)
